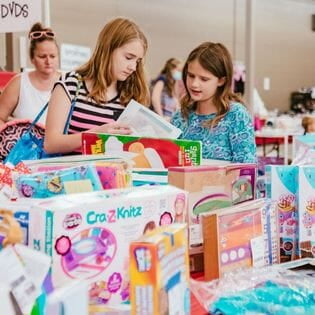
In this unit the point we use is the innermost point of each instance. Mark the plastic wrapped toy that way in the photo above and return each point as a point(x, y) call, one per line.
point(269, 290)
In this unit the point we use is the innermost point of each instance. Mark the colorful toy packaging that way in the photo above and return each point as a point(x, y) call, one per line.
point(20, 210)
point(88, 235)
point(144, 152)
point(159, 273)
point(213, 187)
point(306, 193)
point(113, 173)
point(65, 181)
point(239, 236)
point(282, 186)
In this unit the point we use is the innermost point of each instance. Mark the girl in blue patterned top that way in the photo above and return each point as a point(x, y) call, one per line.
point(210, 111)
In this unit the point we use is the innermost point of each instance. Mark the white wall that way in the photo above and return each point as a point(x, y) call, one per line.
point(285, 43)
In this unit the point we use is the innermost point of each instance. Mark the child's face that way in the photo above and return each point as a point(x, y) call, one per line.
point(126, 58)
point(179, 207)
point(311, 126)
point(202, 84)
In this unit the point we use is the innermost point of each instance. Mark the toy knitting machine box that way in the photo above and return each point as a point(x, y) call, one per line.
point(159, 272)
point(306, 198)
point(88, 235)
point(212, 187)
point(244, 235)
point(144, 152)
point(282, 187)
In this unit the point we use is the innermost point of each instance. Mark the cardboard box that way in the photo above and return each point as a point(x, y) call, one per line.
point(88, 235)
point(212, 187)
point(237, 237)
point(144, 152)
point(159, 272)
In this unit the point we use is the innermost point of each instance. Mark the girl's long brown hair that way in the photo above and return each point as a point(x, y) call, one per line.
point(115, 34)
point(215, 58)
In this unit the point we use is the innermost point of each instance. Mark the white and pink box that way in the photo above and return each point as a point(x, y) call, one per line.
point(306, 198)
point(88, 235)
point(282, 187)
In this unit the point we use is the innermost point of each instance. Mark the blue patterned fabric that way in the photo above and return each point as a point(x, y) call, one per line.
point(233, 139)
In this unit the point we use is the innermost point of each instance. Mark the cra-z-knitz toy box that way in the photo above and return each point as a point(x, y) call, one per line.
point(88, 235)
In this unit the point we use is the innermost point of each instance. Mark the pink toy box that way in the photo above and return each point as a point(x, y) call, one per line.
point(88, 235)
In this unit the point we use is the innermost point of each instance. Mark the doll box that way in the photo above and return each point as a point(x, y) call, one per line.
point(306, 201)
point(282, 187)
point(228, 239)
point(159, 272)
point(88, 235)
point(212, 187)
point(144, 152)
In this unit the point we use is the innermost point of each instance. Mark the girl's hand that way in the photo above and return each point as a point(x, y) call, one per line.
point(113, 128)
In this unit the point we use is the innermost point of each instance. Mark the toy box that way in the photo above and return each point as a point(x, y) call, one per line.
point(20, 210)
point(212, 187)
point(159, 273)
point(306, 201)
point(238, 237)
point(88, 235)
point(77, 179)
point(113, 173)
point(282, 186)
point(144, 152)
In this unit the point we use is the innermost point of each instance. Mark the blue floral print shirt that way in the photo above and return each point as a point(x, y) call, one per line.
point(233, 139)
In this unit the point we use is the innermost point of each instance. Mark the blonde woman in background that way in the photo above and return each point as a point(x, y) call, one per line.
point(27, 93)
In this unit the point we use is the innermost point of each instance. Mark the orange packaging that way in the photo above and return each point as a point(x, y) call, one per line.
point(159, 272)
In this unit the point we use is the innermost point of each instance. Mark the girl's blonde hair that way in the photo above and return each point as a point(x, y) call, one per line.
point(115, 34)
point(215, 58)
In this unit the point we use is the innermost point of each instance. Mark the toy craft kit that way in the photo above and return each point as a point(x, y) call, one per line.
point(86, 172)
point(159, 272)
point(88, 235)
point(244, 235)
point(143, 151)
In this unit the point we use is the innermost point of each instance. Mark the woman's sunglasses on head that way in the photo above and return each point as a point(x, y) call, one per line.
point(39, 34)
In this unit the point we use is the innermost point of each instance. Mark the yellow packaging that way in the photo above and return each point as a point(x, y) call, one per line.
point(159, 272)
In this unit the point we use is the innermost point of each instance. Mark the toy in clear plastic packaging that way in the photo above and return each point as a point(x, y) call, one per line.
point(49, 184)
point(268, 290)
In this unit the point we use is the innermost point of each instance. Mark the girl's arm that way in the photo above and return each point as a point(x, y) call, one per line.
point(242, 137)
point(58, 110)
point(9, 99)
point(156, 97)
